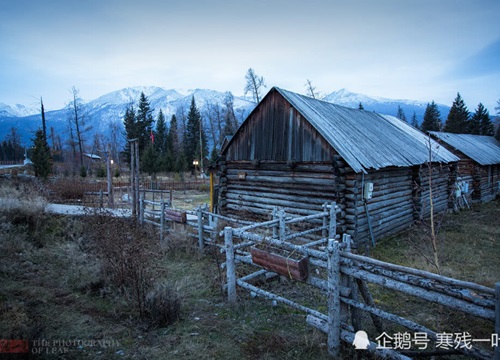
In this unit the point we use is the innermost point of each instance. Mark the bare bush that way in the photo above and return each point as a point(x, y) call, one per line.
point(22, 209)
point(66, 189)
point(128, 255)
point(163, 306)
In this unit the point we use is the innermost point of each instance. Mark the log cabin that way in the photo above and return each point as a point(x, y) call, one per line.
point(478, 170)
point(298, 153)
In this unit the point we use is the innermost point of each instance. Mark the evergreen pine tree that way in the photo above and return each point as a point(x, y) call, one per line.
point(40, 155)
point(360, 106)
point(44, 126)
point(172, 146)
point(131, 131)
point(401, 114)
point(160, 141)
point(458, 118)
point(480, 122)
point(414, 121)
point(195, 142)
point(149, 159)
point(161, 133)
point(144, 120)
point(214, 154)
point(432, 118)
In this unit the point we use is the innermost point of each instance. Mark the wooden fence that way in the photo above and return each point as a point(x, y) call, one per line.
point(345, 286)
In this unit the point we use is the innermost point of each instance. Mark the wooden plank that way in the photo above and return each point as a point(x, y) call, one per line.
point(282, 264)
point(175, 215)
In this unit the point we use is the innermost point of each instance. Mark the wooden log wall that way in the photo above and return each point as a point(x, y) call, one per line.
point(486, 182)
point(441, 189)
point(251, 190)
point(390, 208)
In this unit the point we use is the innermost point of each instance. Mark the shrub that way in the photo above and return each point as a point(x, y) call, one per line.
point(101, 172)
point(128, 254)
point(83, 171)
point(163, 306)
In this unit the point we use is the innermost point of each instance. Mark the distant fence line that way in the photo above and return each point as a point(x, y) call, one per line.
point(82, 186)
point(18, 162)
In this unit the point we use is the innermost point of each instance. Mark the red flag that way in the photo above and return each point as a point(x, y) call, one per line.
point(152, 136)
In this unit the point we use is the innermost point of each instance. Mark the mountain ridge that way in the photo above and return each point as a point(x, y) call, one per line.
point(110, 108)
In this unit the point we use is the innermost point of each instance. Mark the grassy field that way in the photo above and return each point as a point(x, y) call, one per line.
point(59, 283)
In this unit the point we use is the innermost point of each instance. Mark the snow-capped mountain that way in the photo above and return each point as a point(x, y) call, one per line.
point(17, 110)
point(108, 110)
point(383, 105)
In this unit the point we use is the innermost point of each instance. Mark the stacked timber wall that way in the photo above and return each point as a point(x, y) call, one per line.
point(486, 182)
point(390, 209)
point(442, 182)
point(400, 196)
point(483, 180)
point(250, 190)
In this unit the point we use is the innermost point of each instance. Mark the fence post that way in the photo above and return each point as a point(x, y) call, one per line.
point(162, 219)
point(230, 270)
point(332, 229)
point(101, 203)
point(325, 222)
point(275, 227)
point(497, 318)
point(141, 209)
point(282, 224)
point(200, 228)
point(333, 298)
point(346, 281)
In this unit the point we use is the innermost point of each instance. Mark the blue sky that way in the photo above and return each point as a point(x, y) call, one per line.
point(413, 49)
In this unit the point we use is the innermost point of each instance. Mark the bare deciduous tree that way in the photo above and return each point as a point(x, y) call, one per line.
point(311, 90)
point(77, 119)
point(254, 85)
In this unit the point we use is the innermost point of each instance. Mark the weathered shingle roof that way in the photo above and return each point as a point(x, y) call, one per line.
point(485, 150)
point(367, 140)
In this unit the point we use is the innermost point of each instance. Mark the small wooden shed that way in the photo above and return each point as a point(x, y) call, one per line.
point(297, 152)
point(478, 169)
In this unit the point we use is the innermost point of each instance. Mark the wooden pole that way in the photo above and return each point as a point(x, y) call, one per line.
point(162, 219)
point(325, 222)
point(111, 201)
point(141, 210)
point(333, 298)
point(230, 270)
point(132, 179)
point(136, 172)
point(332, 230)
point(497, 319)
point(367, 296)
point(282, 224)
point(211, 192)
point(201, 244)
point(275, 227)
